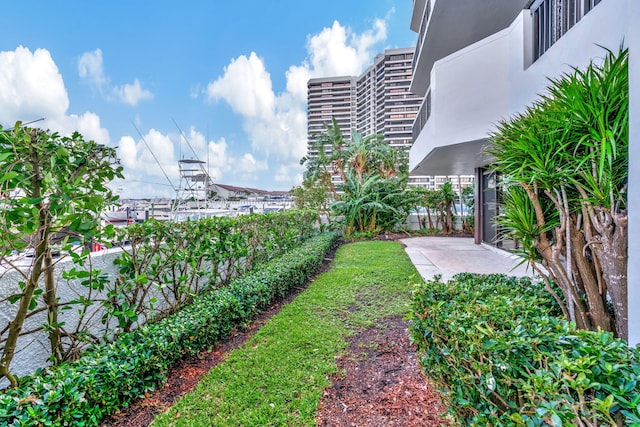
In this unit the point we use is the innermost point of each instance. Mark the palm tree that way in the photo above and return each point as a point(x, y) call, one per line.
point(446, 206)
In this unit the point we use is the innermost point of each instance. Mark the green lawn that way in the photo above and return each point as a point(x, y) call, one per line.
point(278, 376)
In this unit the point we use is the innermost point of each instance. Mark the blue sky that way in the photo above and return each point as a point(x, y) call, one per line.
point(231, 74)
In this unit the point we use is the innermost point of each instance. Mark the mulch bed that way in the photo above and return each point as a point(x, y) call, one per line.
point(381, 384)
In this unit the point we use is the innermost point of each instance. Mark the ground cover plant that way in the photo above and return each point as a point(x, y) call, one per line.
point(108, 377)
point(278, 377)
point(500, 349)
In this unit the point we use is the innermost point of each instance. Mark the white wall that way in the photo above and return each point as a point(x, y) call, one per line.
point(474, 88)
point(493, 79)
point(606, 25)
point(469, 91)
point(633, 20)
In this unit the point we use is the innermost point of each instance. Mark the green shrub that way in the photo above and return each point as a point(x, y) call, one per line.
point(108, 377)
point(504, 357)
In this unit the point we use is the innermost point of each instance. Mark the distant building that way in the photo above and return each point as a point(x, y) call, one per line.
point(331, 98)
point(376, 102)
point(231, 192)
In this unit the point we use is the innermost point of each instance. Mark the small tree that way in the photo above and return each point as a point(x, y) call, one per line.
point(447, 206)
point(565, 164)
point(372, 178)
point(312, 196)
point(52, 190)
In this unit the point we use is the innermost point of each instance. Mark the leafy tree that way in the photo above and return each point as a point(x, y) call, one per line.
point(416, 199)
point(468, 202)
point(446, 206)
point(312, 196)
point(370, 179)
point(328, 160)
point(565, 166)
point(52, 191)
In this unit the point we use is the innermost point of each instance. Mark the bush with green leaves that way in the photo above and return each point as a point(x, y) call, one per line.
point(165, 265)
point(162, 267)
point(503, 355)
point(108, 377)
point(369, 195)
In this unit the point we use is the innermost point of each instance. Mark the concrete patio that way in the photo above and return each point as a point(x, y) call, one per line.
point(451, 255)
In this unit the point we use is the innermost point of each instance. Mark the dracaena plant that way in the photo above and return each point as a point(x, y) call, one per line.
point(569, 154)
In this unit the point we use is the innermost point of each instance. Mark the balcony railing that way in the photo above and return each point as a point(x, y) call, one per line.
point(423, 28)
point(553, 18)
point(423, 115)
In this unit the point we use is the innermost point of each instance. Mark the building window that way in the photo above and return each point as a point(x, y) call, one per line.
point(553, 18)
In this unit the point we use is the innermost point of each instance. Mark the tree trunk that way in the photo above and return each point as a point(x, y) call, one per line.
point(41, 247)
point(52, 308)
point(613, 256)
point(551, 255)
point(598, 313)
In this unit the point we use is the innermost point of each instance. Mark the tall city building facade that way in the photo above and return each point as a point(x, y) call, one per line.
point(331, 98)
point(376, 102)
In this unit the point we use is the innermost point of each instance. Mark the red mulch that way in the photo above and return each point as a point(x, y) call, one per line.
point(382, 384)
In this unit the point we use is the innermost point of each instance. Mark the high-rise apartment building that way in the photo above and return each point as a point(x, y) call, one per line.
point(329, 98)
point(384, 104)
point(376, 102)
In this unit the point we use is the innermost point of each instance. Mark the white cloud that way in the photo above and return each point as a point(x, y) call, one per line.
point(88, 124)
point(31, 87)
point(132, 94)
point(142, 163)
point(335, 51)
point(246, 86)
point(248, 166)
point(91, 70)
point(128, 152)
point(339, 51)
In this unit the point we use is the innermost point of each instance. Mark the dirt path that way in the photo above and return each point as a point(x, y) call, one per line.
point(381, 384)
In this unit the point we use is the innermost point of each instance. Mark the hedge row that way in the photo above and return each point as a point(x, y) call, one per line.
point(109, 377)
point(504, 357)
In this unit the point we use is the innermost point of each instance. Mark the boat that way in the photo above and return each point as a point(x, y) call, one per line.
point(119, 215)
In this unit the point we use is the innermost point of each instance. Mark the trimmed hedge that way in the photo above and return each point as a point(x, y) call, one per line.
point(504, 357)
point(109, 377)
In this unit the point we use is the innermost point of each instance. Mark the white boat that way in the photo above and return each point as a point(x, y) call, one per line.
point(119, 215)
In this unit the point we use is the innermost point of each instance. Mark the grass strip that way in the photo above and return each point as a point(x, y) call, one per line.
point(278, 376)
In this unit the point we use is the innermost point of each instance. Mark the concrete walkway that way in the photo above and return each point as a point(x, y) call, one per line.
point(450, 255)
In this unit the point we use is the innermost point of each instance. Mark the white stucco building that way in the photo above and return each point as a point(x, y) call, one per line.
point(478, 62)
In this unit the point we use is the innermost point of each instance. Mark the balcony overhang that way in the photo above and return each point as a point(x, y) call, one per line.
point(455, 159)
point(416, 16)
point(455, 24)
